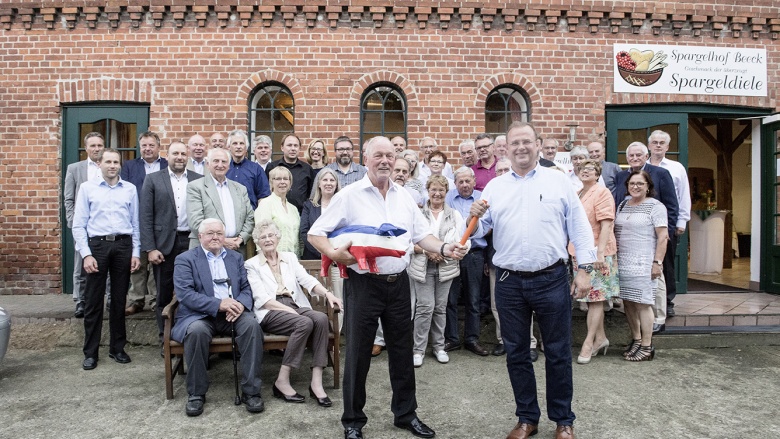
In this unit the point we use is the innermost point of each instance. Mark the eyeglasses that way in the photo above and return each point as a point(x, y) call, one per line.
point(267, 236)
point(343, 149)
point(636, 184)
point(483, 147)
point(435, 162)
point(213, 234)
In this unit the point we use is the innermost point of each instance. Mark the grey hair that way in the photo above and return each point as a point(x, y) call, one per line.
point(501, 137)
point(316, 194)
point(660, 133)
point(374, 140)
point(208, 221)
point(640, 145)
point(238, 133)
point(262, 138)
point(213, 151)
point(414, 172)
point(464, 170)
point(553, 140)
point(263, 225)
point(465, 143)
point(579, 151)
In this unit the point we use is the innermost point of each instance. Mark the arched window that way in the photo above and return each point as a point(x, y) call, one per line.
point(382, 113)
point(507, 103)
point(271, 112)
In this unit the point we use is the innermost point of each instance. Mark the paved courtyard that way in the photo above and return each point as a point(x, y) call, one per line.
point(685, 393)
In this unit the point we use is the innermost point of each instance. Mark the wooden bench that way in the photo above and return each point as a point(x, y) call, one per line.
point(173, 351)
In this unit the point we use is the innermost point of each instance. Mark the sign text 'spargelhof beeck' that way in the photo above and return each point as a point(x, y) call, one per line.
point(642, 68)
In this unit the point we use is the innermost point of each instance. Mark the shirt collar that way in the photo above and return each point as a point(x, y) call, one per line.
point(210, 256)
point(532, 173)
point(218, 184)
point(365, 183)
point(91, 163)
point(263, 260)
point(174, 175)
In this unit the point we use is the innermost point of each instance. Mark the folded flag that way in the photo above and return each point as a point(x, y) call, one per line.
point(368, 243)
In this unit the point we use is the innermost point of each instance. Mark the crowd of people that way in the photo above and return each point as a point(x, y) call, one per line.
point(224, 227)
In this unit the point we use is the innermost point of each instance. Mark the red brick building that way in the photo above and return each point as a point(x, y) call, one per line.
point(181, 67)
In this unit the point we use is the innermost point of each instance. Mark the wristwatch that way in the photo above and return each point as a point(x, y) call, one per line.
point(587, 267)
point(659, 262)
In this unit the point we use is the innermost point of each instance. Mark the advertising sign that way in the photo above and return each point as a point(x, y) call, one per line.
point(693, 70)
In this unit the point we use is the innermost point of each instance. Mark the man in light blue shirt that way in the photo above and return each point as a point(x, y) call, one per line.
point(106, 232)
point(472, 268)
point(534, 214)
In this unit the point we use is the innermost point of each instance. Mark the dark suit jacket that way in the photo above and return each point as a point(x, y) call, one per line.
point(309, 215)
point(195, 288)
point(664, 191)
point(134, 172)
point(158, 211)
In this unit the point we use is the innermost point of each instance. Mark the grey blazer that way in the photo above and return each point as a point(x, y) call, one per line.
point(158, 211)
point(609, 172)
point(74, 176)
point(203, 202)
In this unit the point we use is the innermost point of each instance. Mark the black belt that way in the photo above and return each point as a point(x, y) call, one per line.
point(546, 270)
point(183, 232)
point(474, 250)
point(110, 238)
point(389, 278)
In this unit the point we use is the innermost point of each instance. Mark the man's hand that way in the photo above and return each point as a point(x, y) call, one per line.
point(90, 264)
point(232, 308)
point(135, 264)
point(342, 255)
point(478, 209)
point(456, 250)
point(680, 231)
point(155, 257)
point(581, 285)
point(233, 243)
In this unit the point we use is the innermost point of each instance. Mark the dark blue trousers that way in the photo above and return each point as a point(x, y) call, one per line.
point(547, 295)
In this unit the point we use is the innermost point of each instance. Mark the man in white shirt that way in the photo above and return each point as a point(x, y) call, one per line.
point(659, 144)
point(262, 150)
point(385, 295)
point(197, 151)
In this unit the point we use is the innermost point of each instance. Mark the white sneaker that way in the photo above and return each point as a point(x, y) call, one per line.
point(442, 357)
point(417, 359)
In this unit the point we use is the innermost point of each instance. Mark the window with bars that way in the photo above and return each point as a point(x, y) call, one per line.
point(271, 113)
point(382, 113)
point(507, 103)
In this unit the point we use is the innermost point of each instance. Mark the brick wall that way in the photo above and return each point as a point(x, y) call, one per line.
point(197, 64)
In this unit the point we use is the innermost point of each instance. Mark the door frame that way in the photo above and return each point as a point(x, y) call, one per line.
point(72, 116)
point(769, 279)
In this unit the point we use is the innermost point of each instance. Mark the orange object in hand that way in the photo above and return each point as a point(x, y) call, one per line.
point(470, 229)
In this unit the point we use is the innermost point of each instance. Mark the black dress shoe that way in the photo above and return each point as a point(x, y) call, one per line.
point(658, 328)
point(417, 428)
point(89, 363)
point(194, 406)
point(477, 349)
point(79, 314)
point(297, 397)
point(323, 402)
point(120, 357)
point(670, 311)
point(353, 433)
point(254, 403)
point(534, 355)
point(499, 350)
point(451, 346)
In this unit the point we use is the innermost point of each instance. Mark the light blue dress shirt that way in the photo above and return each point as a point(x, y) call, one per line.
point(462, 205)
point(218, 271)
point(105, 210)
point(533, 218)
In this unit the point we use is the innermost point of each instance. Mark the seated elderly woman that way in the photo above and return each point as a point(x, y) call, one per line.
point(276, 208)
point(282, 308)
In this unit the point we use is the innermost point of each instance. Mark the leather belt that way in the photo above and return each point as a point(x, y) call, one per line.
point(109, 238)
point(389, 278)
point(545, 270)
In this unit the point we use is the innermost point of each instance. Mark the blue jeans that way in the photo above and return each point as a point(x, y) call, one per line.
point(547, 295)
point(471, 273)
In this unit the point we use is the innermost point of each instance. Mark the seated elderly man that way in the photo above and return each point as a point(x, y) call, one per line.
point(214, 294)
point(281, 307)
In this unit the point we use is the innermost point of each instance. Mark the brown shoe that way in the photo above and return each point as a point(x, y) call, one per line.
point(564, 432)
point(477, 349)
point(522, 431)
point(134, 308)
point(376, 350)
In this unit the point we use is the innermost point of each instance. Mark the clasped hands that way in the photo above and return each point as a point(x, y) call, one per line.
point(232, 309)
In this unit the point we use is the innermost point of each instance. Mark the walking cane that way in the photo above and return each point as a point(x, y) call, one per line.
point(232, 341)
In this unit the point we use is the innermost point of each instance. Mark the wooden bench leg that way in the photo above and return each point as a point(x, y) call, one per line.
point(168, 374)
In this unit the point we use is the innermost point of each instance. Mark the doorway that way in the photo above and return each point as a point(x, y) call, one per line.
point(715, 146)
point(120, 125)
